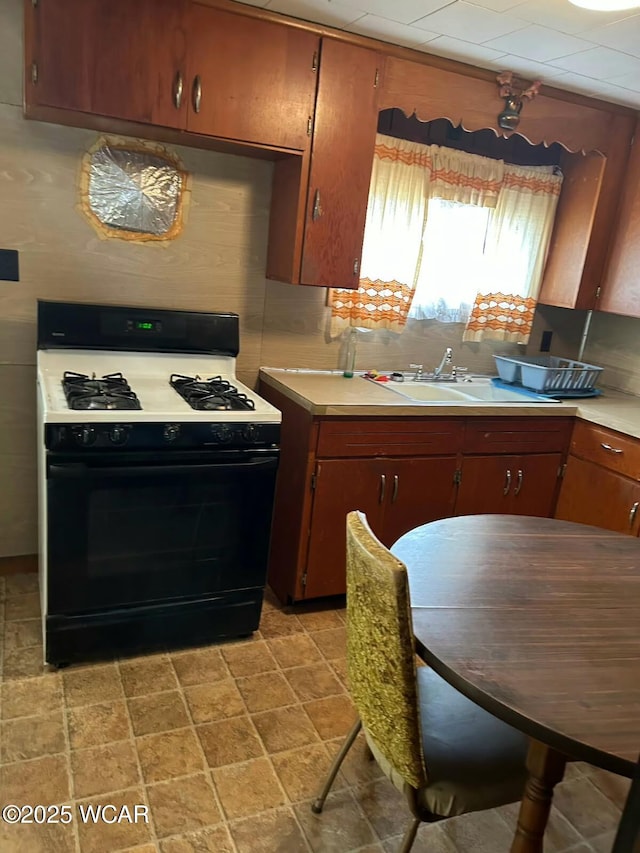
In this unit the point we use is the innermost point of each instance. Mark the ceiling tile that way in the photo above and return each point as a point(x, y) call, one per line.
point(623, 35)
point(497, 5)
point(470, 23)
point(386, 30)
point(602, 63)
point(402, 11)
point(528, 68)
point(615, 94)
point(566, 17)
point(321, 11)
point(463, 51)
point(539, 43)
point(577, 83)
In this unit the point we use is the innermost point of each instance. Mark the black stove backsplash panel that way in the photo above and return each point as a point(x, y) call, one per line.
point(110, 327)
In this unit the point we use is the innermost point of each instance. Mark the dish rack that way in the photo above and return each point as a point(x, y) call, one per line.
point(549, 374)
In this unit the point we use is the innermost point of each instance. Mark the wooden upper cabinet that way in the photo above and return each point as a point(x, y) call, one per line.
point(344, 135)
point(250, 79)
point(572, 232)
point(176, 64)
point(621, 289)
point(108, 57)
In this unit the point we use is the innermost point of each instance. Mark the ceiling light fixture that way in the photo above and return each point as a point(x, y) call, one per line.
point(606, 5)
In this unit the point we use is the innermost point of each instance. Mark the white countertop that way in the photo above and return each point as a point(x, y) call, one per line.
point(330, 393)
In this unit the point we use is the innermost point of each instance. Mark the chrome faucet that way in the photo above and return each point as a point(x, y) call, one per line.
point(446, 359)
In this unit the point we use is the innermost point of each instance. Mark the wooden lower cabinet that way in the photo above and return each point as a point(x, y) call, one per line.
point(601, 484)
point(593, 495)
point(401, 472)
point(395, 494)
point(516, 485)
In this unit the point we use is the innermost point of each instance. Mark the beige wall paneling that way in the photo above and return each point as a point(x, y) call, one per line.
point(614, 343)
point(296, 322)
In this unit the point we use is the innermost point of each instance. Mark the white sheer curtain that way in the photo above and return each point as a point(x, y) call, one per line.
point(518, 236)
point(392, 248)
point(450, 236)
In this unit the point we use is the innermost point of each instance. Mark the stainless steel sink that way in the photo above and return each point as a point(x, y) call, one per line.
point(474, 390)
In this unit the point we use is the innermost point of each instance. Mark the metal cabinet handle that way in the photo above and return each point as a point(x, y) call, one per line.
point(520, 478)
point(611, 449)
point(633, 513)
point(177, 90)
point(396, 485)
point(196, 93)
point(317, 209)
point(507, 482)
point(383, 487)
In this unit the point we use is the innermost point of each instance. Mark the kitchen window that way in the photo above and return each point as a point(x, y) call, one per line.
point(451, 236)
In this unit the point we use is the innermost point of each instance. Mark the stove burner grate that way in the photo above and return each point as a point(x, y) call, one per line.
point(105, 393)
point(213, 394)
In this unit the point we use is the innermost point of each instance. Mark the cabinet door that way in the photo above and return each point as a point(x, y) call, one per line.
point(486, 485)
point(562, 284)
point(621, 291)
point(418, 491)
point(534, 484)
point(592, 495)
point(344, 135)
point(249, 79)
point(341, 485)
point(112, 58)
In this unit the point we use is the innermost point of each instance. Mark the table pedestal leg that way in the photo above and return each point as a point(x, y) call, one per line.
point(546, 769)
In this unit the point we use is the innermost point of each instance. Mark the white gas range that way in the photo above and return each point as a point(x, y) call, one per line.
point(156, 478)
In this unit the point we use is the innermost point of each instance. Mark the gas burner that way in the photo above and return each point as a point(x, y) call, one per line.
point(106, 392)
point(213, 394)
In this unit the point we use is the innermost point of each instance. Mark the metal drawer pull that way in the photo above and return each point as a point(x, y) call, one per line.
point(197, 93)
point(383, 487)
point(633, 513)
point(177, 91)
point(611, 449)
point(507, 483)
point(396, 483)
point(317, 209)
point(519, 482)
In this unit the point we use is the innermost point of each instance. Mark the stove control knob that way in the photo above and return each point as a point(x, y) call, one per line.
point(222, 433)
point(251, 433)
point(171, 432)
point(118, 435)
point(86, 435)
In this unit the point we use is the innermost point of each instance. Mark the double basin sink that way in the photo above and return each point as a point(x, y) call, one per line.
point(477, 389)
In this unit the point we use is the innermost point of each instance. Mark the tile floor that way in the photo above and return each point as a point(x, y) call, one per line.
point(225, 746)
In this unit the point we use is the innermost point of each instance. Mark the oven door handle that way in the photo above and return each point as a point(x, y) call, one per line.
point(77, 470)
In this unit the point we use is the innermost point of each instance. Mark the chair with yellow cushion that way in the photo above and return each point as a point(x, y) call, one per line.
point(446, 754)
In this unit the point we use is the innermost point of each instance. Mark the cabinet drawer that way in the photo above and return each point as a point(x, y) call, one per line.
point(605, 447)
point(393, 437)
point(517, 435)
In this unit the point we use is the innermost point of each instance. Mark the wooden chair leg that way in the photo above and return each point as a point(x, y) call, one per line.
point(318, 804)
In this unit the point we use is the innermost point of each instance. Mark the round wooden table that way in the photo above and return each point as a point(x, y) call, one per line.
point(538, 621)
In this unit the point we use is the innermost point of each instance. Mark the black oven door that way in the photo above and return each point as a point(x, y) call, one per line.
point(131, 529)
